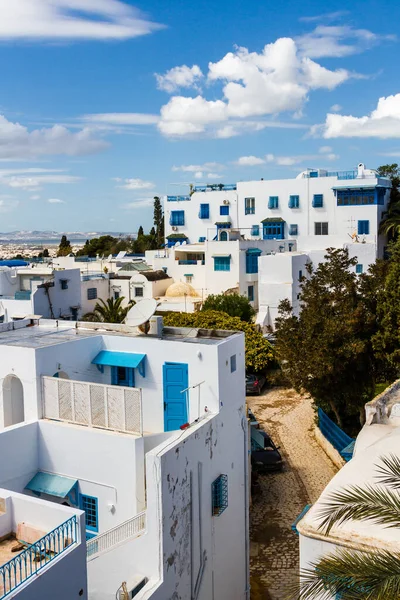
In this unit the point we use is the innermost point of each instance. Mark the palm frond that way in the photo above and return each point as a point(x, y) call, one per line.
point(367, 503)
point(389, 473)
point(351, 575)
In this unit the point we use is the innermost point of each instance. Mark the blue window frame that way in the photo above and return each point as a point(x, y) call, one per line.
point(204, 211)
point(293, 229)
point(274, 230)
point(300, 274)
point(318, 201)
point(89, 504)
point(294, 201)
point(233, 363)
point(219, 495)
point(357, 197)
point(64, 284)
point(273, 202)
point(359, 269)
point(177, 217)
point(92, 293)
point(252, 255)
point(250, 293)
point(116, 295)
point(222, 263)
point(249, 206)
point(224, 210)
point(202, 239)
point(363, 227)
point(255, 230)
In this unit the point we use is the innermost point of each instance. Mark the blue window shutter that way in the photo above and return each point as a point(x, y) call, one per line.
point(222, 263)
point(293, 229)
point(204, 211)
point(274, 230)
point(255, 230)
point(359, 269)
point(249, 206)
point(318, 201)
point(294, 201)
point(273, 202)
point(177, 217)
point(224, 210)
point(363, 227)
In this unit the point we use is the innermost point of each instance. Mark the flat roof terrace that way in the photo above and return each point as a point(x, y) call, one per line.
point(46, 332)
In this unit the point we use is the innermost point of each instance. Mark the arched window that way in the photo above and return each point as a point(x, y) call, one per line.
point(13, 401)
point(223, 236)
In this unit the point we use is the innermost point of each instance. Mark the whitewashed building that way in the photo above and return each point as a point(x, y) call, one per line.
point(380, 437)
point(317, 209)
point(136, 443)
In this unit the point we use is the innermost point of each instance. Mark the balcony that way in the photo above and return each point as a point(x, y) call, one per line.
point(178, 198)
point(112, 407)
point(117, 535)
point(30, 561)
point(191, 262)
point(215, 187)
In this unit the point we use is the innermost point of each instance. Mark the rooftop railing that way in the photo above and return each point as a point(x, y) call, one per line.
point(215, 187)
point(178, 198)
point(26, 564)
point(92, 404)
point(89, 276)
point(118, 535)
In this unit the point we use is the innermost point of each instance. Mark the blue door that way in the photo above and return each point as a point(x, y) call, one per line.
point(175, 380)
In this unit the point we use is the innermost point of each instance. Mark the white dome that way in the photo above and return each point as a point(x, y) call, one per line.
point(180, 289)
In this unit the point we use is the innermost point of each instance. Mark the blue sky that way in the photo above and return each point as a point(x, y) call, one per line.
point(106, 103)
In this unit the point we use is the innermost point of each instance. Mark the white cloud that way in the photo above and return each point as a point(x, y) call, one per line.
point(121, 118)
point(338, 41)
point(289, 161)
point(8, 205)
point(17, 142)
point(325, 150)
point(213, 176)
point(249, 161)
point(55, 201)
point(135, 184)
point(383, 122)
point(194, 168)
point(35, 197)
point(336, 107)
point(72, 20)
point(198, 175)
point(139, 203)
point(276, 80)
point(32, 183)
point(179, 77)
point(332, 16)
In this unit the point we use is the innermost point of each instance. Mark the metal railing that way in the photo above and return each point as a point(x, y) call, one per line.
point(93, 404)
point(89, 276)
point(178, 198)
point(118, 535)
point(188, 262)
point(26, 564)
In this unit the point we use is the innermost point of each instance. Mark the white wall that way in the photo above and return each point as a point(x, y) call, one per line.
point(20, 445)
point(103, 292)
point(61, 300)
point(109, 466)
point(20, 362)
point(311, 550)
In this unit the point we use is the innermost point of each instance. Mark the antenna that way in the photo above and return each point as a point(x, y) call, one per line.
point(141, 312)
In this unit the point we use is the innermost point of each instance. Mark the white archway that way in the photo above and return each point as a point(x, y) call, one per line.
point(13, 401)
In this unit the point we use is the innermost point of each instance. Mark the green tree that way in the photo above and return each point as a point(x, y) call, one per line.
point(326, 350)
point(349, 574)
point(232, 304)
point(109, 311)
point(105, 245)
point(259, 352)
point(140, 232)
point(390, 224)
point(65, 247)
point(158, 222)
point(386, 341)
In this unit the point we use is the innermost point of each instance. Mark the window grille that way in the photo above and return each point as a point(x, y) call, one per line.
point(321, 228)
point(89, 505)
point(219, 494)
point(92, 294)
point(138, 292)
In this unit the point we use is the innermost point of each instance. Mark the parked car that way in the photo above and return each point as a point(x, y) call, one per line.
point(265, 456)
point(252, 419)
point(254, 383)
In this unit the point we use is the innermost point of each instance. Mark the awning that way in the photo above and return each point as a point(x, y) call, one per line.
point(253, 251)
point(221, 256)
point(53, 485)
point(109, 358)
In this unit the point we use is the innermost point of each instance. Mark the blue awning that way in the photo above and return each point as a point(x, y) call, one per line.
point(109, 358)
point(53, 485)
point(253, 251)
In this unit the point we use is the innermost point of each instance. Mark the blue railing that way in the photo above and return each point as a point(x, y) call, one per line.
point(85, 258)
point(338, 438)
point(215, 187)
point(178, 198)
point(23, 295)
point(187, 262)
point(26, 564)
point(90, 276)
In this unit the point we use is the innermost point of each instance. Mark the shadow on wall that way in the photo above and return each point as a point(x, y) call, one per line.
point(13, 401)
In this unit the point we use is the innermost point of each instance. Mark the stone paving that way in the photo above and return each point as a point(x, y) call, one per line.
point(289, 419)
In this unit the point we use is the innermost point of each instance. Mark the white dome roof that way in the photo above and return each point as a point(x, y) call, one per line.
point(180, 289)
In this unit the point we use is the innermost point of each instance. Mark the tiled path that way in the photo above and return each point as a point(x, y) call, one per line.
point(289, 419)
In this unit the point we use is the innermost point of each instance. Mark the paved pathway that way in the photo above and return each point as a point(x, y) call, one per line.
point(289, 419)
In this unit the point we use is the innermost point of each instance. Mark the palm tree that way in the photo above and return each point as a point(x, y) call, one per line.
point(390, 224)
point(351, 574)
point(110, 311)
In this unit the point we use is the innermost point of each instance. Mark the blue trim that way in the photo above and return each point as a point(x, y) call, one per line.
point(294, 202)
point(222, 263)
point(363, 227)
point(110, 358)
point(51, 484)
point(299, 518)
point(252, 261)
point(204, 212)
point(177, 217)
point(274, 230)
point(249, 205)
point(318, 201)
point(224, 210)
point(175, 380)
point(360, 196)
point(273, 202)
point(359, 269)
point(89, 504)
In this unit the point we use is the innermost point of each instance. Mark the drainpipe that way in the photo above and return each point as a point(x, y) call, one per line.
point(244, 424)
point(203, 553)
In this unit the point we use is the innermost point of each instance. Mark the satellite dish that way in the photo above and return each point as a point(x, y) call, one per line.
point(109, 257)
point(141, 312)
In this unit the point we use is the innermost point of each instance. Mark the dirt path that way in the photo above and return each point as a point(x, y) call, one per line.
point(289, 419)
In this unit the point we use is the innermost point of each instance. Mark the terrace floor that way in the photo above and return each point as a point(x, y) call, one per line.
point(5, 549)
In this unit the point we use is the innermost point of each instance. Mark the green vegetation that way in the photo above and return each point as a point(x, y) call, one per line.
point(259, 352)
point(349, 574)
point(110, 311)
point(390, 224)
point(65, 247)
point(232, 304)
